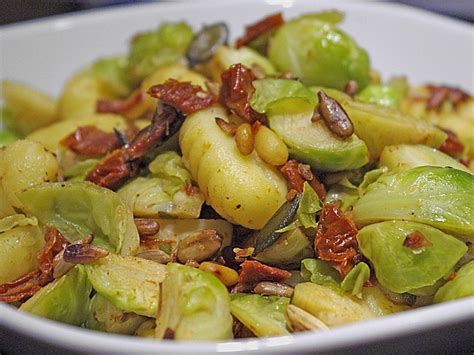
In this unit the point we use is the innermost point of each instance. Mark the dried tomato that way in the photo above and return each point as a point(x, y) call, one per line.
point(236, 91)
point(441, 94)
point(253, 272)
point(296, 174)
point(133, 106)
point(90, 141)
point(123, 164)
point(55, 243)
point(184, 96)
point(416, 240)
point(257, 29)
point(336, 238)
point(452, 145)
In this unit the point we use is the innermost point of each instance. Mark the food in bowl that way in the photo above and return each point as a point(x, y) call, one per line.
point(194, 190)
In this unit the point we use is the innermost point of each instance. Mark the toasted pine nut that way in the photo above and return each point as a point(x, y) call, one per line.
point(270, 147)
point(228, 276)
point(244, 139)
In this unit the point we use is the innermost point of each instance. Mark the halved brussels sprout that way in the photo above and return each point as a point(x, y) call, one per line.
point(104, 316)
point(263, 315)
point(355, 279)
point(78, 171)
point(379, 126)
point(226, 56)
point(64, 300)
point(131, 284)
point(194, 305)
point(20, 241)
point(319, 53)
point(81, 208)
point(313, 143)
point(151, 50)
point(23, 164)
point(461, 286)
point(440, 197)
point(309, 205)
point(382, 95)
point(331, 307)
point(401, 268)
point(112, 72)
point(28, 109)
point(243, 189)
point(378, 303)
point(321, 273)
point(269, 92)
point(344, 192)
point(404, 157)
point(292, 247)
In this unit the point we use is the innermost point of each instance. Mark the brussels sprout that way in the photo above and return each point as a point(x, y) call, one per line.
point(242, 189)
point(379, 126)
point(331, 307)
point(440, 197)
point(309, 205)
point(226, 56)
point(104, 316)
point(292, 247)
point(20, 240)
point(131, 284)
point(404, 157)
point(148, 197)
point(23, 164)
point(344, 192)
point(78, 171)
point(195, 305)
point(26, 108)
point(112, 72)
point(169, 166)
point(269, 92)
point(263, 315)
point(81, 208)
point(64, 300)
point(319, 53)
point(378, 303)
point(400, 268)
point(51, 136)
point(321, 273)
point(313, 143)
point(355, 279)
point(461, 286)
point(172, 231)
point(151, 50)
point(382, 95)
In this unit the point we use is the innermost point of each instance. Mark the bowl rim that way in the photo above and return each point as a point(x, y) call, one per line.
point(384, 328)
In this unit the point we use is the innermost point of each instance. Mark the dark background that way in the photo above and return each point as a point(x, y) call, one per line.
point(20, 10)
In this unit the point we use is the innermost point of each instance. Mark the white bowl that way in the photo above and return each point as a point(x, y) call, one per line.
point(400, 40)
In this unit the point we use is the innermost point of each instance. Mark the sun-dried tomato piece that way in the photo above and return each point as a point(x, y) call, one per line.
point(133, 106)
point(184, 96)
point(257, 29)
point(336, 238)
point(296, 174)
point(89, 141)
point(27, 285)
point(441, 94)
point(253, 272)
point(452, 145)
point(236, 91)
point(416, 240)
point(113, 170)
point(123, 164)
